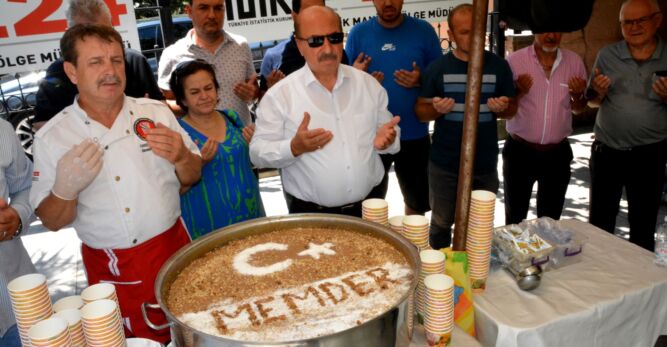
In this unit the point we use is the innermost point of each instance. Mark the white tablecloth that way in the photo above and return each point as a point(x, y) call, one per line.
point(615, 296)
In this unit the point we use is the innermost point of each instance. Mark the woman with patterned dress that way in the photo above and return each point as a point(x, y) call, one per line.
point(228, 191)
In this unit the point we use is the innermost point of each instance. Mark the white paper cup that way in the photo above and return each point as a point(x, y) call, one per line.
point(47, 330)
point(396, 223)
point(68, 303)
point(483, 195)
point(374, 204)
point(26, 285)
point(438, 282)
point(99, 291)
point(430, 256)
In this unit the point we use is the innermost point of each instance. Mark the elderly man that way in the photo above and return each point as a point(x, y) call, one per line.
point(229, 54)
point(15, 213)
point(325, 124)
point(630, 149)
point(57, 92)
point(112, 166)
point(398, 47)
point(550, 85)
point(442, 99)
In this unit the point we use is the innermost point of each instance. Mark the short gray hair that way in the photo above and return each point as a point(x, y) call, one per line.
point(87, 10)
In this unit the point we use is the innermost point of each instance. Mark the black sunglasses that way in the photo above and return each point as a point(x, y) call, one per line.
point(318, 40)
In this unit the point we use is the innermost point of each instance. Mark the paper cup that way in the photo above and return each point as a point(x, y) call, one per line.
point(26, 285)
point(67, 303)
point(48, 332)
point(396, 224)
point(99, 291)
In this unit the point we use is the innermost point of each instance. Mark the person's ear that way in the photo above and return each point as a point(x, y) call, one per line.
point(70, 71)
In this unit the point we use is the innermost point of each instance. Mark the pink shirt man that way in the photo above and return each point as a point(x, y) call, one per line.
point(544, 115)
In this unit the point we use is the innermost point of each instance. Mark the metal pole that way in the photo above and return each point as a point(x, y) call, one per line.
point(471, 116)
point(166, 22)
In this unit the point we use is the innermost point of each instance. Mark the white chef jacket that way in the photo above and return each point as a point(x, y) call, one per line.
point(348, 167)
point(135, 196)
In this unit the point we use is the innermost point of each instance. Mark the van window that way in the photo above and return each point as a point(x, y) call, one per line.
point(147, 37)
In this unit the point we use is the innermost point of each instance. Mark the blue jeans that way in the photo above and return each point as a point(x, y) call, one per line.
point(442, 197)
point(11, 337)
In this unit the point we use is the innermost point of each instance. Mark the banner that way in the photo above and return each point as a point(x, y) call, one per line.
point(252, 18)
point(30, 31)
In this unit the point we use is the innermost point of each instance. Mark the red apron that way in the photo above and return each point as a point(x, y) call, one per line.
point(133, 272)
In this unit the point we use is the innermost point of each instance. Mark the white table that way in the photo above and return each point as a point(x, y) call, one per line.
point(615, 296)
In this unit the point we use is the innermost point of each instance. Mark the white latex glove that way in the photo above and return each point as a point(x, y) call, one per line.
point(77, 169)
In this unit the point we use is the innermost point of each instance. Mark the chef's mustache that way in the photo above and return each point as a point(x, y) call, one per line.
point(110, 79)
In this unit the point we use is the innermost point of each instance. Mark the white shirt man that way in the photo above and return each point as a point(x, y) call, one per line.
point(337, 162)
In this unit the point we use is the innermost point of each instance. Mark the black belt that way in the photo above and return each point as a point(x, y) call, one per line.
point(599, 146)
point(537, 146)
point(307, 206)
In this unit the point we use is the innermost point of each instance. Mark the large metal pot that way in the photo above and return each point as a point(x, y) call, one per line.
point(389, 329)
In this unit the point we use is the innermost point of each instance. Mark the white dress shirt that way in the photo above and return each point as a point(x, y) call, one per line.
point(135, 195)
point(15, 170)
point(345, 169)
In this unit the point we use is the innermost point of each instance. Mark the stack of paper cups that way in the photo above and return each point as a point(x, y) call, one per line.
point(432, 263)
point(68, 302)
point(415, 229)
point(101, 324)
point(375, 210)
point(439, 317)
point(30, 302)
point(100, 291)
point(73, 318)
point(480, 236)
point(396, 224)
point(51, 332)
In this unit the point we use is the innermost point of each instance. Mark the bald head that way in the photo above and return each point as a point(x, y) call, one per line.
point(313, 16)
point(650, 5)
point(640, 20)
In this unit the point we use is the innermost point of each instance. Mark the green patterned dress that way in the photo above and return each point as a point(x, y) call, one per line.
point(228, 191)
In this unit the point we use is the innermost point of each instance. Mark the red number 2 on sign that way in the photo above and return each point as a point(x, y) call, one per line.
point(35, 23)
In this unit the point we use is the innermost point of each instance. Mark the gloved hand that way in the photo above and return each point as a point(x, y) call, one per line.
point(77, 169)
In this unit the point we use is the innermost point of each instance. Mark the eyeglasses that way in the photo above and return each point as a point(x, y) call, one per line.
point(628, 23)
point(317, 41)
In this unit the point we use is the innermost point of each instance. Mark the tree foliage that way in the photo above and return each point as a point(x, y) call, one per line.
point(177, 7)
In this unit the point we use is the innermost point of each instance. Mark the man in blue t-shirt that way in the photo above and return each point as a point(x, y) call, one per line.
point(398, 47)
point(442, 99)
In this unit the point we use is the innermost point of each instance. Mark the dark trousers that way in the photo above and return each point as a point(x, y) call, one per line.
point(410, 165)
point(525, 164)
point(296, 205)
point(442, 197)
point(640, 170)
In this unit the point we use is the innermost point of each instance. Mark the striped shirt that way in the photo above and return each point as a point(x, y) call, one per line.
point(15, 180)
point(544, 115)
point(447, 77)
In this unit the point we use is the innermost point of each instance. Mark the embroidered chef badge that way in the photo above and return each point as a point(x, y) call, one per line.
point(141, 127)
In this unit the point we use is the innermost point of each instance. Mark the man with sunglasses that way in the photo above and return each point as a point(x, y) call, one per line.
point(229, 53)
point(398, 47)
point(285, 58)
point(628, 83)
point(325, 124)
